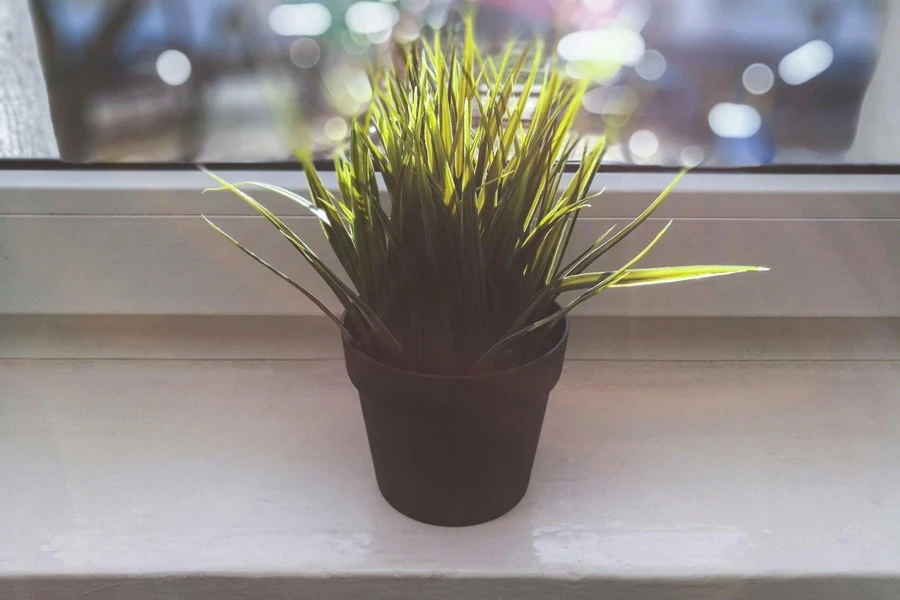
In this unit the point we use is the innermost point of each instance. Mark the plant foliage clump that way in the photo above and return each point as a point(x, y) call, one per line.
point(459, 271)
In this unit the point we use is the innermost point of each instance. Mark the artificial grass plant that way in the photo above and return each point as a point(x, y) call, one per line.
point(460, 271)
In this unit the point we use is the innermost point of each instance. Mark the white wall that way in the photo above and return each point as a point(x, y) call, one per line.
point(878, 132)
point(26, 130)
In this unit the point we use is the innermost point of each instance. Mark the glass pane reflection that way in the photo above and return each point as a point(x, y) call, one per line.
point(711, 82)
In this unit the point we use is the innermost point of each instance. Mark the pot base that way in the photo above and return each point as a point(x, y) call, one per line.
point(454, 451)
point(451, 468)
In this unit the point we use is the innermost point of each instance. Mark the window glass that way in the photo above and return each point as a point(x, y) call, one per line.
point(711, 82)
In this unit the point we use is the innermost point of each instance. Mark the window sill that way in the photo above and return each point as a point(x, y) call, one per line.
point(689, 478)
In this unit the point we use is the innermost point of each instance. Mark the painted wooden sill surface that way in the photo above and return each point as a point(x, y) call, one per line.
point(655, 478)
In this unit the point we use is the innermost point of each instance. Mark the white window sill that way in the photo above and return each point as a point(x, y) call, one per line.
point(655, 478)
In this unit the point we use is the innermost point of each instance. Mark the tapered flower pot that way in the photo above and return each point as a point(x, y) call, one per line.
point(455, 451)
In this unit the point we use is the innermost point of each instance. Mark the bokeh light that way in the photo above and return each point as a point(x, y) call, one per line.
point(437, 16)
point(634, 14)
point(804, 63)
point(692, 156)
point(643, 144)
point(652, 66)
point(310, 19)
point(380, 37)
point(758, 78)
point(336, 129)
point(408, 28)
point(305, 53)
point(613, 45)
point(371, 18)
point(173, 67)
point(729, 120)
point(349, 89)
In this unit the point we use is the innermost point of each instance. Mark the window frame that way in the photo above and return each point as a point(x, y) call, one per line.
point(133, 241)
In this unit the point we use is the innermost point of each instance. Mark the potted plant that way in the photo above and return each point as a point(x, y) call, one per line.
point(453, 330)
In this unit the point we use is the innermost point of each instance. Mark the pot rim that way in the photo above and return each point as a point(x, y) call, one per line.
point(348, 344)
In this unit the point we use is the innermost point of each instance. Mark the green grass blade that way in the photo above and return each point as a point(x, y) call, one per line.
point(348, 297)
point(638, 277)
point(599, 251)
point(302, 290)
point(552, 319)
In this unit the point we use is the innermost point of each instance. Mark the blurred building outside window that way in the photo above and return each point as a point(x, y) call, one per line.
point(673, 82)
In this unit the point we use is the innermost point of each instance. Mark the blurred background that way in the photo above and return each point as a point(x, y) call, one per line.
point(694, 82)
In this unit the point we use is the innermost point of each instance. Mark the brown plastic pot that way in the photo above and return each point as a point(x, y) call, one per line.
point(455, 451)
